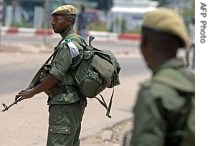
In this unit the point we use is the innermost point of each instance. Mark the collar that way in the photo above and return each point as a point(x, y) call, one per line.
point(70, 32)
point(172, 63)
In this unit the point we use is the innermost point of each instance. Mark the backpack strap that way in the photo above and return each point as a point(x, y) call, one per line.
point(76, 39)
point(36, 79)
point(103, 102)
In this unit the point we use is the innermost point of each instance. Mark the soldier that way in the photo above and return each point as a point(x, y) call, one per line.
point(66, 104)
point(161, 109)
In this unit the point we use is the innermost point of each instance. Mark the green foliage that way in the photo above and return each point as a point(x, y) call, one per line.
point(188, 14)
point(17, 24)
point(97, 26)
point(135, 30)
point(123, 25)
point(189, 11)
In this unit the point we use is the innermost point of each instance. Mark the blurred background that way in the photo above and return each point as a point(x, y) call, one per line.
point(103, 15)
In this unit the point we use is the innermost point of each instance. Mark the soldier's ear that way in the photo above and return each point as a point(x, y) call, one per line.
point(70, 21)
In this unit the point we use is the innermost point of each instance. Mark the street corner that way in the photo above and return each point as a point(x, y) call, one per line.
point(26, 31)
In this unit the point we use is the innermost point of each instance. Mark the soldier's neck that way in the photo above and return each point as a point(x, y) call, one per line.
point(65, 33)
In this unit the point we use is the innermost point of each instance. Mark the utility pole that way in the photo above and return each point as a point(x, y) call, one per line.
point(46, 13)
point(1, 17)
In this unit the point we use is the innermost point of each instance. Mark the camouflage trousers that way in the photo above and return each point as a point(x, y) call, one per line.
point(65, 123)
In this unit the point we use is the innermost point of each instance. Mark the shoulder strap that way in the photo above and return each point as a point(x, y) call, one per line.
point(37, 75)
point(76, 38)
point(103, 102)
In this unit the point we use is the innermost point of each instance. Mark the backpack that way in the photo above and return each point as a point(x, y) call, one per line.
point(184, 136)
point(97, 70)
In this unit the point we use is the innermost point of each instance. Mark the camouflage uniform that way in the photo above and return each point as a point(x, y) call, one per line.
point(158, 107)
point(66, 104)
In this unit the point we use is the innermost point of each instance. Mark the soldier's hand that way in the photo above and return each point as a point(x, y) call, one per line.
point(25, 94)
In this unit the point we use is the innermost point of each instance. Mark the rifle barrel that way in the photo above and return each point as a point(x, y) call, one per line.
point(7, 107)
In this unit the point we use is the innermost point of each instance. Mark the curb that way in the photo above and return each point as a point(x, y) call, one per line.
point(49, 32)
point(129, 36)
point(31, 31)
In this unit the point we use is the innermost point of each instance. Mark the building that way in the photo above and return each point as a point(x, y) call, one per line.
point(123, 16)
point(23, 13)
point(33, 13)
point(127, 15)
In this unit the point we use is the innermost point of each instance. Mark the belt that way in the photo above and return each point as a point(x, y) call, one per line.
point(64, 90)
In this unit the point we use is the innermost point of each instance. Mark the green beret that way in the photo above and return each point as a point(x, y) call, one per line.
point(65, 10)
point(168, 21)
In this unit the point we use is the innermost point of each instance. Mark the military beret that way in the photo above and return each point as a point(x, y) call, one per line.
point(65, 10)
point(168, 21)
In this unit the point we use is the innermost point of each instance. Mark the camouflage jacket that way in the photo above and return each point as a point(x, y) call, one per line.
point(67, 55)
point(158, 110)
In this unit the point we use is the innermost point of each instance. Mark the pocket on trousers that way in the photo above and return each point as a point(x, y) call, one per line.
point(54, 129)
point(58, 116)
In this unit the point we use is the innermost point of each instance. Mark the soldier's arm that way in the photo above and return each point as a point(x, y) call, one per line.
point(60, 65)
point(49, 83)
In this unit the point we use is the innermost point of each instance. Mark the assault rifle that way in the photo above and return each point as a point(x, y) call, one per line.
point(38, 79)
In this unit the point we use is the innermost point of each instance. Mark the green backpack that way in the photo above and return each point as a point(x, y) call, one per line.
point(97, 70)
